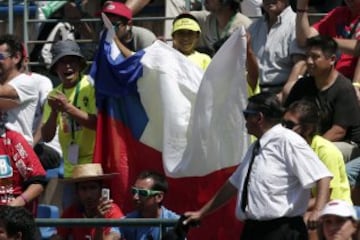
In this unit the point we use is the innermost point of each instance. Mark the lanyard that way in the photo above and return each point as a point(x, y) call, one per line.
point(226, 29)
point(72, 122)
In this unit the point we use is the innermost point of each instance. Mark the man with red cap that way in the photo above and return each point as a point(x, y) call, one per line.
point(133, 37)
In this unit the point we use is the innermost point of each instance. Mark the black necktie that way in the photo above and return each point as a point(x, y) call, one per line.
point(244, 195)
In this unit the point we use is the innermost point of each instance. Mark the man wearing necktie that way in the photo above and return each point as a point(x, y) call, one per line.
point(274, 179)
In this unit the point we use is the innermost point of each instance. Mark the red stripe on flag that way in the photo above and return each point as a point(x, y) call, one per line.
point(118, 151)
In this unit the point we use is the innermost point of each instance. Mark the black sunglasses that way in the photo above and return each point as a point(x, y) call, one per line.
point(289, 124)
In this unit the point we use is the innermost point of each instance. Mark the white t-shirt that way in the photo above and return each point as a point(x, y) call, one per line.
point(21, 118)
point(281, 176)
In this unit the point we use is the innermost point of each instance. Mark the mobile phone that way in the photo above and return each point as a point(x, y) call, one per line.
point(105, 193)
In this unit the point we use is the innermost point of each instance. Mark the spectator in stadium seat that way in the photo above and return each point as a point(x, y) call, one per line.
point(273, 40)
point(334, 95)
point(89, 181)
point(148, 195)
point(17, 223)
point(71, 107)
point(341, 22)
point(186, 33)
point(218, 22)
point(133, 37)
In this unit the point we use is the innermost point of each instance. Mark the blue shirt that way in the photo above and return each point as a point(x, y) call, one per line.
point(145, 232)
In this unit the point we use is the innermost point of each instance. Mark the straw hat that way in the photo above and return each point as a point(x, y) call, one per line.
point(88, 172)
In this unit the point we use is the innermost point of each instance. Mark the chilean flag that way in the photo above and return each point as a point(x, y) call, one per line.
point(158, 111)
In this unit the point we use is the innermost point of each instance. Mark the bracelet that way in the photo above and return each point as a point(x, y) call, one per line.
point(23, 198)
point(356, 84)
point(301, 10)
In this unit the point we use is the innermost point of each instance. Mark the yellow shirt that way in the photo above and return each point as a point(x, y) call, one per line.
point(84, 137)
point(331, 156)
point(200, 59)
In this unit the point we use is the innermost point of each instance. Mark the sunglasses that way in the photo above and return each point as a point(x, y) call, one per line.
point(4, 55)
point(248, 112)
point(289, 124)
point(144, 192)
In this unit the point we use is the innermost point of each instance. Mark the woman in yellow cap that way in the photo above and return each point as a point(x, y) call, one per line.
point(186, 33)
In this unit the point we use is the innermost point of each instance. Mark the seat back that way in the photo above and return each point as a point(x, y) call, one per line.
point(47, 211)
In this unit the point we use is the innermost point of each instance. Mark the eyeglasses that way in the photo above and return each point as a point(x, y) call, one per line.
point(289, 124)
point(248, 112)
point(144, 192)
point(4, 55)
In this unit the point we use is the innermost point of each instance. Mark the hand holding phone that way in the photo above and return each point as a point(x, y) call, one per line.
point(105, 193)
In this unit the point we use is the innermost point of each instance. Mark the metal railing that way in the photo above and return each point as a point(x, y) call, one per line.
point(100, 222)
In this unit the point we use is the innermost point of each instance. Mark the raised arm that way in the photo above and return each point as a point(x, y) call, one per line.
point(137, 5)
point(303, 28)
point(349, 46)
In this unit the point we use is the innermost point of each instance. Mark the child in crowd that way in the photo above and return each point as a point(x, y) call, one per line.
point(186, 33)
point(338, 221)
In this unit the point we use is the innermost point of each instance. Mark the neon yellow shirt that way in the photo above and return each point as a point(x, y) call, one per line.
point(331, 156)
point(200, 59)
point(84, 137)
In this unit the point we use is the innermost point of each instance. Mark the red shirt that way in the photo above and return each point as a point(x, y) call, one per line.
point(18, 164)
point(83, 233)
point(339, 23)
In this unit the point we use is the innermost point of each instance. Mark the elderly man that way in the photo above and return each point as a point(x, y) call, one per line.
point(276, 174)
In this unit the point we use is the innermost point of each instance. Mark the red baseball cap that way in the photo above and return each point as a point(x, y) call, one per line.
point(117, 8)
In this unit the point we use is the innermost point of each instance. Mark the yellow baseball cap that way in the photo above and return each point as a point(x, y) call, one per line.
point(186, 24)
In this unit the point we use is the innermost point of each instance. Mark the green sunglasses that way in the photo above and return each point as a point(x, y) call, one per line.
point(144, 192)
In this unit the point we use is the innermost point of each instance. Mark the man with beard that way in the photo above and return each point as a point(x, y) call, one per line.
point(18, 93)
point(90, 203)
point(334, 95)
point(148, 195)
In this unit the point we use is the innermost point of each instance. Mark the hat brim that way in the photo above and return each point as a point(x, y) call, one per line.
point(93, 178)
point(58, 57)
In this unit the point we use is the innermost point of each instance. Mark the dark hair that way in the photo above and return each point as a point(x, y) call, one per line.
point(18, 219)
point(268, 104)
point(160, 183)
point(308, 113)
point(234, 5)
point(14, 46)
point(325, 43)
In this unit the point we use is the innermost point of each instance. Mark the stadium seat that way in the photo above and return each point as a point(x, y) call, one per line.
point(47, 211)
point(18, 10)
point(56, 172)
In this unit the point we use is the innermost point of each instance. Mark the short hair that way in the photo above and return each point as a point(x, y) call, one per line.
point(325, 43)
point(18, 219)
point(268, 104)
point(308, 113)
point(14, 46)
point(160, 183)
